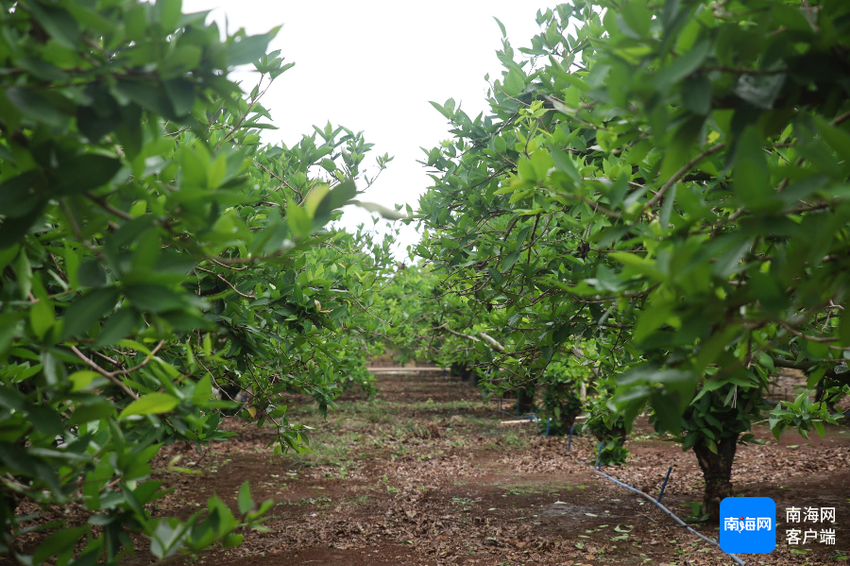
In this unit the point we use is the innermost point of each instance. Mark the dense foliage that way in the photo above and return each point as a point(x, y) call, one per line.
point(152, 254)
point(670, 183)
point(653, 215)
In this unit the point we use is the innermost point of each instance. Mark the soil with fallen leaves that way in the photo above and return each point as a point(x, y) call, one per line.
point(425, 474)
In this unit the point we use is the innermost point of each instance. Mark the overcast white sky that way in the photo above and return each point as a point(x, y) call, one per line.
point(373, 65)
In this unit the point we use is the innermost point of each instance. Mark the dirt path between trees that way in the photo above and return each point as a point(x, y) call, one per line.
point(424, 475)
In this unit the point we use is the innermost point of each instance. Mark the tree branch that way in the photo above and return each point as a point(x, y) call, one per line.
point(681, 173)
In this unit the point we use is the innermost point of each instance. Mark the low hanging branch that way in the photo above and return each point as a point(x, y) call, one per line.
point(462, 335)
point(487, 338)
point(492, 341)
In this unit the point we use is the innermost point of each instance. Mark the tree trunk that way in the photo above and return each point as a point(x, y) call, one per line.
point(526, 401)
point(717, 472)
point(618, 432)
point(568, 417)
point(465, 373)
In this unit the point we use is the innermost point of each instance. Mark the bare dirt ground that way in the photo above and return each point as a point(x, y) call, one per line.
point(425, 475)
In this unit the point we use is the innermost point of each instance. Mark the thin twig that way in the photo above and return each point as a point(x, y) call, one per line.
point(228, 283)
point(108, 375)
point(681, 173)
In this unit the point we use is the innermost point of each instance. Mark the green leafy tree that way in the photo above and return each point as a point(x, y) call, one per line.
point(671, 182)
point(153, 251)
point(562, 399)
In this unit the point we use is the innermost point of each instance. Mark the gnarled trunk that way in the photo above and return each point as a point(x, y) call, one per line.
point(717, 472)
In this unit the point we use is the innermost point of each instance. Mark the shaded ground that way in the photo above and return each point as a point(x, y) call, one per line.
point(426, 475)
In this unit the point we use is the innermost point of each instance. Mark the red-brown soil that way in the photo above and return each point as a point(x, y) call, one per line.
point(426, 475)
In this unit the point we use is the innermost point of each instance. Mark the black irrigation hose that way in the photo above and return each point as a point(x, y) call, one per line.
point(675, 518)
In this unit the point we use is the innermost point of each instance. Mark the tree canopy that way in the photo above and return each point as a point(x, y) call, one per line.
point(671, 183)
point(652, 216)
point(154, 253)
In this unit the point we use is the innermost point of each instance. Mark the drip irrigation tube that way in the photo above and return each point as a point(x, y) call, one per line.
point(675, 518)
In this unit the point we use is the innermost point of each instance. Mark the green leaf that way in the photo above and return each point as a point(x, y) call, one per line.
point(246, 503)
point(248, 49)
point(181, 92)
point(815, 377)
point(169, 12)
point(640, 264)
point(118, 326)
point(91, 274)
point(82, 379)
point(182, 59)
point(683, 65)
point(385, 212)
point(155, 298)
point(314, 198)
point(19, 195)
point(72, 264)
point(8, 328)
point(42, 69)
point(844, 329)
point(88, 309)
point(729, 262)
point(501, 26)
point(514, 82)
point(84, 173)
point(150, 404)
point(766, 361)
point(203, 390)
point(38, 107)
point(45, 420)
point(136, 21)
point(575, 81)
point(147, 97)
point(232, 540)
point(525, 169)
point(446, 110)
point(651, 320)
point(23, 273)
point(509, 260)
point(751, 173)
point(299, 221)
point(7, 255)
point(684, 144)
point(93, 412)
point(42, 317)
point(335, 198)
point(838, 139)
point(542, 162)
point(12, 400)
point(58, 542)
point(13, 230)
point(817, 349)
point(696, 94)
point(637, 17)
point(148, 248)
point(57, 22)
